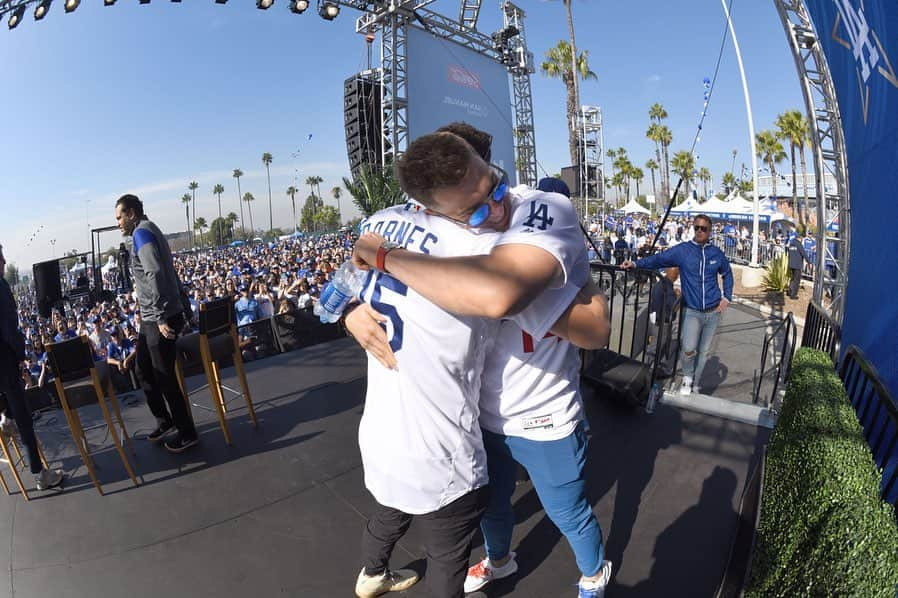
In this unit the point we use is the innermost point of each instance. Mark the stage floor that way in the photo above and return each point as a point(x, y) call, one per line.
point(280, 512)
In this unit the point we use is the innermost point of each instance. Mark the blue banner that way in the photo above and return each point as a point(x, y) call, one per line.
point(860, 41)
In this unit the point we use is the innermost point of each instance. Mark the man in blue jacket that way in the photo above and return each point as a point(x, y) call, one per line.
point(700, 263)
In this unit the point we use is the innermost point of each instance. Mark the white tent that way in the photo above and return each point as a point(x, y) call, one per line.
point(690, 206)
point(634, 208)
point(78, 267)
point(109, 265)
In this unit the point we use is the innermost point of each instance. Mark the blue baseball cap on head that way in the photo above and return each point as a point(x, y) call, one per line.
point(553, 185)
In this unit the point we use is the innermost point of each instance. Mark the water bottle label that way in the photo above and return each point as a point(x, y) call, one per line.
point(332, 300)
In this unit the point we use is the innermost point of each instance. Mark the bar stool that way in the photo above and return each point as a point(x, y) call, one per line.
point(75, 370)
point(211, 347)
point(14, 462)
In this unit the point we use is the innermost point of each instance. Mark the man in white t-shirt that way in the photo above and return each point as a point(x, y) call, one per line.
point(530, 404)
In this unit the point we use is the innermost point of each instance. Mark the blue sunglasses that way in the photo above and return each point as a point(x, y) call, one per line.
point(499, 191)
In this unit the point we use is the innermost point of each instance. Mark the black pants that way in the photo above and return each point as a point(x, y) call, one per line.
point(449, 533)
point(156, 373)
point(14, 389)
point(794, 281)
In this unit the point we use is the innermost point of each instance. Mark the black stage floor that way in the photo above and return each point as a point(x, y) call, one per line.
point(280, 512)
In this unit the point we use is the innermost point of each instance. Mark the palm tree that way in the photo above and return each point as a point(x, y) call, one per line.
point(559, 65)
point(231, 219)
point(218, 190)
point(661, 135)
point(193, 186)
point(292, 191)
point(771, 151)
point(237, 174)
point(185, 199)
point(337, 192)
point(683, 163)
point(248, 198)
point(652, 166)
point(313, 182)
point(793, 127)
point(266, 160)
point(728, 181)
point(200, 225)
point(704, 175)
point(733, 166)
point(637, 175)
point(375, 188)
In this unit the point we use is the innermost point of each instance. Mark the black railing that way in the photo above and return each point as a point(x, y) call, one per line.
point(821, 332)
point(878, 414)
point(780, 367)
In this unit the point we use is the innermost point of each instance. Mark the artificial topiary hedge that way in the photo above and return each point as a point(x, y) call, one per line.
point(823, 530)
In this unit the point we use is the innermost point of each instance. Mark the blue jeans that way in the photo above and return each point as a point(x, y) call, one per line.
point(698, 331)
point(556, 470)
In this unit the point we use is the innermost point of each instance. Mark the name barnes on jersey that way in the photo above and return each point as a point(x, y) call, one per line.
point(402, 232)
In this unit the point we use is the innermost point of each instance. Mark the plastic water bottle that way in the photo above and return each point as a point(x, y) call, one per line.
point(347, 283)
point(654, 395)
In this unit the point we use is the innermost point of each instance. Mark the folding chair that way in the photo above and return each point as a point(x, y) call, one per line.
point(76, 372)
point(15, 462)
point(212, 347)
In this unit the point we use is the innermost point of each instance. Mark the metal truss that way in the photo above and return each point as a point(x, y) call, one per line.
point(592, 154)
point(830, 158)
point(520, 66)
point(394, 86)
point(467, 15)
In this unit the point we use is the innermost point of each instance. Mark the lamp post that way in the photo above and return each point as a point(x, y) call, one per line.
point(751, 139)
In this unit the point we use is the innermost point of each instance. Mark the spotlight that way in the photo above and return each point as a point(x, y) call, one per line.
point(299, 6)
point(144, 1)
point(71, 5)
point(217, 1)
point(16, 17)
point(41, 10)
point(264, 4)
point(108, 2)
point(328, 10)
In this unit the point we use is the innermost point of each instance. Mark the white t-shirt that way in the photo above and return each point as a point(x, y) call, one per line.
point(531, 378)
point(419, 436)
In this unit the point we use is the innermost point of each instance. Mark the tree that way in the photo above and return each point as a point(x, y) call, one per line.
point(327, 218)
point(232, 220)
point(337, 192)
point(222, 228)
point(637, 175)
point(310, 210)
point(793, 127)
point(237, 174)
point(185, 199)
point(558, 64)
point(11, 275)
point(193, 186)
point(218, 190)
point(704, 175)
point(375, 188)
point(771, 151)
point(728, 181)
point(266, 160)
point(661, 135)
point(683, 163)
point(746, 186)
point(201, 225)
point(292, 191)
point(313, 182)
point(249, 199)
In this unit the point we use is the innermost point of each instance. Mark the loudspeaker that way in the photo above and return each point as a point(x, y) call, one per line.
point(619, 378)
point(47, 286)
point(571, 176)
point(362, 118)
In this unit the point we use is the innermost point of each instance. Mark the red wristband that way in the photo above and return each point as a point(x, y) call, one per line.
point(382, 251)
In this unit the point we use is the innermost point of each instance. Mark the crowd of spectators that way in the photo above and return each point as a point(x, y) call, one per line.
point(263, 280)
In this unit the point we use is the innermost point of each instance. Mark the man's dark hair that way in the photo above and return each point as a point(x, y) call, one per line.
point(705, 218)
point(481, 141)
point(131, 202)
point(432, 162)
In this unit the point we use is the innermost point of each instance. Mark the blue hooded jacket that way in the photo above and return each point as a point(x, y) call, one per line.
point(699, 265)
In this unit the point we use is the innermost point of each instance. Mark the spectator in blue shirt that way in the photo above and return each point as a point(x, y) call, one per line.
point(247, 307)
point(63, 332)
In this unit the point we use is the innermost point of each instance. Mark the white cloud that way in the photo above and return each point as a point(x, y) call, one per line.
point(654, 78)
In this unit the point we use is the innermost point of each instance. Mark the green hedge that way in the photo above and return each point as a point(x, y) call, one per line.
point(823, 530)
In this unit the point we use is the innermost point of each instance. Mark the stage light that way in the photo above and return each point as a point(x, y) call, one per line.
point(71, 5)
point(299, 6)
point(217, 1)
point(328, 10)
point(264, 4)
point(41, 10)
point(144, 1)
point(16, 17)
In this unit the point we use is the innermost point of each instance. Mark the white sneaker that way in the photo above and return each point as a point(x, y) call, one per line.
point(48, 478)
point(484, 572)
point(596, 589)
point(7, 426)
point(686, 388)
point(390, 581)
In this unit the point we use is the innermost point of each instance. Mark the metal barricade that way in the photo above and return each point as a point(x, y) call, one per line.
point(821, 331)
point(878, 414)
point(779, 367)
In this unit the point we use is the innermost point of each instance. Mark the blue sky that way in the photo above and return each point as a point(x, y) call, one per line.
point(145, 98)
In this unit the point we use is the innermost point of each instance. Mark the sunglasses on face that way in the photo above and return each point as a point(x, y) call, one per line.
point(497, 194)
point(700, 228)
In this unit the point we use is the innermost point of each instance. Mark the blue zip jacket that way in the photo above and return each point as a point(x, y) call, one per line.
point(699, 267)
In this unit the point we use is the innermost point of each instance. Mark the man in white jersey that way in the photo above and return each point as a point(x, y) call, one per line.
point(530, 404)
point(419, 436)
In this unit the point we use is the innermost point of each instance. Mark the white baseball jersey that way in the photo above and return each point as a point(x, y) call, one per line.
point(531, 378)
point(419, 435)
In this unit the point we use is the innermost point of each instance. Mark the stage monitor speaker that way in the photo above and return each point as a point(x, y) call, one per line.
point(47, 286)
point(571, 177)
point(362, 118)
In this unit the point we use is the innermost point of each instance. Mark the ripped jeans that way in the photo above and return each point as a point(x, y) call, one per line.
point(698, 332)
